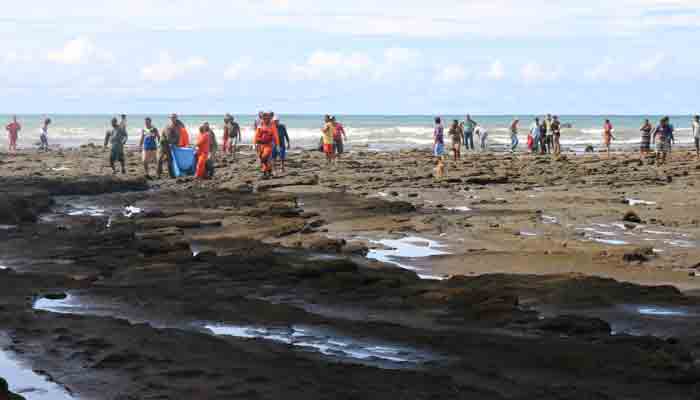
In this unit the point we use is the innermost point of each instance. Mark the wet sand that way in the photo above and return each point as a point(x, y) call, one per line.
point(309, 285)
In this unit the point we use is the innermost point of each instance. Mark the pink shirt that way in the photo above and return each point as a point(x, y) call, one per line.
point(13, 128)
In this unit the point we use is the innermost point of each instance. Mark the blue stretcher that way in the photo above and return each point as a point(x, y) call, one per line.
point(183, 159)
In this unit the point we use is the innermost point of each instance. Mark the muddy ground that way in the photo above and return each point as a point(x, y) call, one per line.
point(570, 278)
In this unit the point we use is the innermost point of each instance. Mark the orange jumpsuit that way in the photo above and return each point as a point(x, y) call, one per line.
point(203, 146)
point(184, 138)
point(266, 137)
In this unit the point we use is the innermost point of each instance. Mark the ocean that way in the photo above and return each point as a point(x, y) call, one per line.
point(375, 132)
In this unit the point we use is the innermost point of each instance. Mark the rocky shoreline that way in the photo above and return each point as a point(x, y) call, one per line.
point(551, 278)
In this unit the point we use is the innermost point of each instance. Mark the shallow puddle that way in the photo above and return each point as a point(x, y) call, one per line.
point(323, 341)
point(328, 343)
point(411, 247)
point(618, 234)
point(25, 382)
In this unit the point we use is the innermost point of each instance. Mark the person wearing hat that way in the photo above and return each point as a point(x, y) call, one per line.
point(266, 138)
point(280, 152)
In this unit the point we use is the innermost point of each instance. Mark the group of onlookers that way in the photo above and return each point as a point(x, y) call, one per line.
point(14, 127)
point(460, 133)
point(333, 138)
point(544, 136)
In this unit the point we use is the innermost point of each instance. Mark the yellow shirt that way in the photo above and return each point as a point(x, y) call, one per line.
point(328, 132)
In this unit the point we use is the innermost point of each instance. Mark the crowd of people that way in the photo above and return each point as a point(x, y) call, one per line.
point(544, 136)
point(271, 140)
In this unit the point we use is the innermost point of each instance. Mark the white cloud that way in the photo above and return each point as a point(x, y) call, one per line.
point(336, 65)
point(533, 72)
point(601, 72)
point(79, 51)
point(451, 73)
point(236, 70)
point(649, 65)
point(168, 69)
point(496, 71)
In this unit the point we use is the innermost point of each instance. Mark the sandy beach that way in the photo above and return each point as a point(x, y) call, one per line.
point(513, 277)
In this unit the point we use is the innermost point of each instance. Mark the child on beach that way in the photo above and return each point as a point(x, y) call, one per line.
point(149, 145)
point(607, 135)
point(438, 139)
point(456, 135)
point(13, 129)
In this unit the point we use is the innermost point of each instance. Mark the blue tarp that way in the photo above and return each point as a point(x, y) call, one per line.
point(183, 161)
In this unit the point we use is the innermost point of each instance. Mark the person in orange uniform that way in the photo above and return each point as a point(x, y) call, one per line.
point(266, 138)
point(184, 136)
point(203, 146)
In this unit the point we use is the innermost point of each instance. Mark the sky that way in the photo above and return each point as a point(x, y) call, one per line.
point(350, 57)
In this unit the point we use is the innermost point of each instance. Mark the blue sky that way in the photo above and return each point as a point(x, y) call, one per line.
point(358, 57)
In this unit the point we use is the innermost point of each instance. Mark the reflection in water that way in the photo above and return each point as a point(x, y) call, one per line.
point(25, 382)
point(327, 343)
point(406, 248)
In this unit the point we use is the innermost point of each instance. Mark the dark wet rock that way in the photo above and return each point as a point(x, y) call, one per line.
point(235, 187)
point(590, 149)
point(5, 393)
point(574, 325)
point(295, 181)
point(486, 180)
point(55, 296)
point(356, 248)
point(631, 216)
point(316, 270)
point(640, 255)
point(23, 206)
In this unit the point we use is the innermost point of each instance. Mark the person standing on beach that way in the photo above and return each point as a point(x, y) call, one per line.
point(438, 138)
point(13, 129)
point(117, 137)
point(556, 135)
point(170, 137)
point(339, 138)
point(232, 134)
point(122, 122)
point(183, 135)
point(543, 136)
point(203, 146)
point(514, 135)
point(456, 135)
point(483, 134)
point(536, 133)
point(663, 138)
point(328, 133)
point(280, 152)
point(696, 134)
point(149, 145)
point(44, 135)
point(549, 137)
point(469, 126)
point(645, 143)
point(607, 135)
point(266, 138)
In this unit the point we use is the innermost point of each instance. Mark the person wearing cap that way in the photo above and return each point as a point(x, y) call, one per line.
point(149, 145)
point(117, 138)
point(339, 138)
point(280, 151)
point(266, 138)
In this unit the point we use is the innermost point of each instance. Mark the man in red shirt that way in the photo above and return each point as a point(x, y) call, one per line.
point(339, 138)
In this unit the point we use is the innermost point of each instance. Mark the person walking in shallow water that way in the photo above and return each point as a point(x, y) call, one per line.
point(117, 138)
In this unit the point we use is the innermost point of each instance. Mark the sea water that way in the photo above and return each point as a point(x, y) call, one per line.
point(376, 132)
